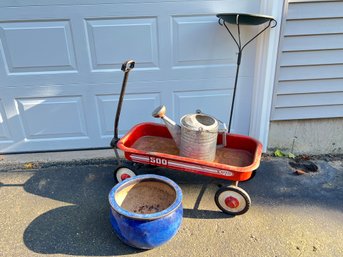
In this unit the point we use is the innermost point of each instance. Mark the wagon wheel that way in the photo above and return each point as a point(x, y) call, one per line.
point(123, 172)
point(232, 200)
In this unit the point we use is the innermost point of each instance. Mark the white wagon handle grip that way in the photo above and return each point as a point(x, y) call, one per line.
point(128, 65)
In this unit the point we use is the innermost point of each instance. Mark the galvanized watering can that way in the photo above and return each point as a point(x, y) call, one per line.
point(196, 137)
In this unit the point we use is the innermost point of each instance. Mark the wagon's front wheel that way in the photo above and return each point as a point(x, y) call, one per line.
point(123, 172)
point(232, 200)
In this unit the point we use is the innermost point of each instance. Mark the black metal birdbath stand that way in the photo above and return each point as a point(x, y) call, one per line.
point(243, 19)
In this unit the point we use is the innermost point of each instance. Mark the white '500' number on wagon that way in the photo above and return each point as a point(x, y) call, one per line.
point(159, 161)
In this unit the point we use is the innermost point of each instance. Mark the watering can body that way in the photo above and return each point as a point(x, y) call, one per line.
point(196, 137)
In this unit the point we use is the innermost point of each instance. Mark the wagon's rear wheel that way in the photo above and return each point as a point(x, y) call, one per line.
point(123, 172)
point(232, 200)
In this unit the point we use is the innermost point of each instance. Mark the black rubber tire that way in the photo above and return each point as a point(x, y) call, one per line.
point(237, 192)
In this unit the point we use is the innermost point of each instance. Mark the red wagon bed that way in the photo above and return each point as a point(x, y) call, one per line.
point(151, 143)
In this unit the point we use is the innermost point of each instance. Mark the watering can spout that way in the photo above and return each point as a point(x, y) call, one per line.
point(174, 129)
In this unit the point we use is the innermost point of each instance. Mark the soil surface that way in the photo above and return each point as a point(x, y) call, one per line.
point(228, 156)
point(146, 197)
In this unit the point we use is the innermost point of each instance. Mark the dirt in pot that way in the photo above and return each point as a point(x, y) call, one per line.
point(146, 197)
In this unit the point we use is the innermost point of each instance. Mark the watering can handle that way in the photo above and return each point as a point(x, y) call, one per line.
point(223, 132)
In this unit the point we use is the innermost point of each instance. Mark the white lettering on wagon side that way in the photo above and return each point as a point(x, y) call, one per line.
point(158, 161)
point(225, 173)
point(177, 165)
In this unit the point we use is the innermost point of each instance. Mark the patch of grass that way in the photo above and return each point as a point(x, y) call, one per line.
point(279, 153)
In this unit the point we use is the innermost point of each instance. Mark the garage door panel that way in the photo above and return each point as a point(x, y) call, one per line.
point(37, 46)
point(202, 49)
point(107, 38)
point(189, 101)
point(213, 96)
point(49, 145)
point(197, 41)
point(4, 131)
point(136, 108)
point(52, 118)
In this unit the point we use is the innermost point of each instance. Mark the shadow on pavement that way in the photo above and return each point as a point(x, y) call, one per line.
point(82, 226)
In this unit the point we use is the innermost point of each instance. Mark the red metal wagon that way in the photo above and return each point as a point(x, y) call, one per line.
point(236, 156)
point(151, 143)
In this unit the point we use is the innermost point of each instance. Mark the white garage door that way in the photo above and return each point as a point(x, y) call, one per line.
point(60, 68)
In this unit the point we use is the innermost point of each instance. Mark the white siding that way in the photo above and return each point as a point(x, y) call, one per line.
point(309, 81)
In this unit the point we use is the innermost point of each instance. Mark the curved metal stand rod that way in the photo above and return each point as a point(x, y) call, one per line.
point(240, 51)
point(239, 45)
point(259, 33)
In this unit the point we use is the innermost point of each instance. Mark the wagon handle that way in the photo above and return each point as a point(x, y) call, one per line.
point(125, 67)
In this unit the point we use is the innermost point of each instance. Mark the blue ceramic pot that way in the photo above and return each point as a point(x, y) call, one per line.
point(146, 210)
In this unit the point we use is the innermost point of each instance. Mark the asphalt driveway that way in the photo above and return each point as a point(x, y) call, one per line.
point(61, 209)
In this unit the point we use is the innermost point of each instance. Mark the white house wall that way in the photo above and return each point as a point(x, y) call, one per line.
point(60, 74)
point(310, 76)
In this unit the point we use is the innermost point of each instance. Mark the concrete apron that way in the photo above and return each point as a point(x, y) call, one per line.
point(63, 210)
